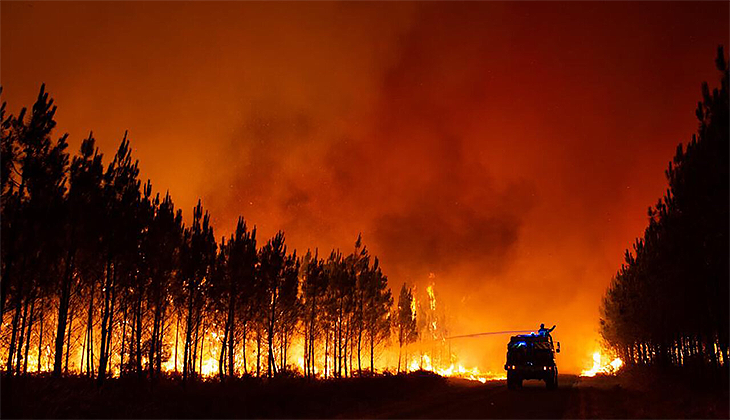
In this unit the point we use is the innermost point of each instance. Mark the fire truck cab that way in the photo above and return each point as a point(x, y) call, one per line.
point(531, 356)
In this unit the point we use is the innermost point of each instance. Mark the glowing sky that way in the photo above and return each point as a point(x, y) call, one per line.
point(511, 149)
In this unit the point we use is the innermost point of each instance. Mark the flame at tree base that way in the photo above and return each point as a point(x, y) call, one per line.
point(455, 371)
point(608, 369)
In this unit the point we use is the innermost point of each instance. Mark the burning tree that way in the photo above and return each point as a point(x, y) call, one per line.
point(89, 249)
point(431, 326)
point(377, 301)
point(279, 278)
point(405, 320)
point(198, 253)
point(314, 286)
point(235, 273)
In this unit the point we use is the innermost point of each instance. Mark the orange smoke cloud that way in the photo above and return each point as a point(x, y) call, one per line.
point(509, 148)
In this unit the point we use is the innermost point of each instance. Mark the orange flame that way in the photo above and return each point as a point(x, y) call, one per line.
point(608, 368)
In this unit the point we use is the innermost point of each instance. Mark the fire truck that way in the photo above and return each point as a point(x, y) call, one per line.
point(531, 356)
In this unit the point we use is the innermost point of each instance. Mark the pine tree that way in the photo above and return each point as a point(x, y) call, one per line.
point(667, 303)
point(405, 321)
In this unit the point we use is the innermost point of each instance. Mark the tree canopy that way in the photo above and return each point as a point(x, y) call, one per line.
point(668, 303)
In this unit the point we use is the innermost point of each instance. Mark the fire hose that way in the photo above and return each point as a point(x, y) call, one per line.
point(489, 333)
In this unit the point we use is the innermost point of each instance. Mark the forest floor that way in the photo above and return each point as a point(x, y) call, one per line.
point(634, 394)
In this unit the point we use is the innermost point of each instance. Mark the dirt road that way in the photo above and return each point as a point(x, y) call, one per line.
point(633, 395)
point(584, 398)
point(467, 399)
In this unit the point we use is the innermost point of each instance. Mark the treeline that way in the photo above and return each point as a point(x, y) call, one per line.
point(668, 303)
point(97, 267)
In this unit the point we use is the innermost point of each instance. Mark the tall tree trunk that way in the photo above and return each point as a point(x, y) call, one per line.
point(91, 358)
point(6, 275)
point(326, 352)
point(40, 339)
point(271, 364)
point(110, 326)
point(311, 354)
point(27, 340)
point(348, 353)
point(350, 335)
point(153, 339)
point(286, 349)
point(231, 338)
point(343, 350)
point(89, 349)
point(68, 342)
point(335, 348)
point(194, 353)
point(161, 338)
point(188, 333)
point(83, 351)
point(406, 360)
point(107, 324)
point(222, 357)
point(138, 334)
point(359, 343)
point(245, 338)
point(124, 339)
point(89, 334)
point(372, 352)
point(13, 337)
point(202, 345)
point(305, 351)
point(310, 349)
point(177, 334)
point(152, 348)
point(339, 341)
point(63, 305)
point(9, 258)
point(258, 351)
point(282, 346)
point(21, 339)
point(308, 364)
point(104, 320)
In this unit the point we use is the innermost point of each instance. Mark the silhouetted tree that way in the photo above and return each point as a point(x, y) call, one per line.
point(314, 287)
point(121, 239)
point(86, 247)
point(33, 209)
point(376, 311)
point(667, 304)
point(278, 273)
point(236, 277)
point(405, 321)
point(161, 252)
point(198, 255)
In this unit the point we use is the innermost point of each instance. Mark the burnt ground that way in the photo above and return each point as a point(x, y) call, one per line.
point(637, 394)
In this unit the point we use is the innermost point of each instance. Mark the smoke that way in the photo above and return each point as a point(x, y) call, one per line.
point(402, 169)
point(504, 147)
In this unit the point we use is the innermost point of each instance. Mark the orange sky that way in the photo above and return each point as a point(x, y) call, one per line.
point(511, 149)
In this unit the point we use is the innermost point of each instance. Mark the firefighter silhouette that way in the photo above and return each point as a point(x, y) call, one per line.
point(544, 331)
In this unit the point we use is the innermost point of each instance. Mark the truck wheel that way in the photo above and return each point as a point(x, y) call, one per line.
point(513, 382)
point(551, 382)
